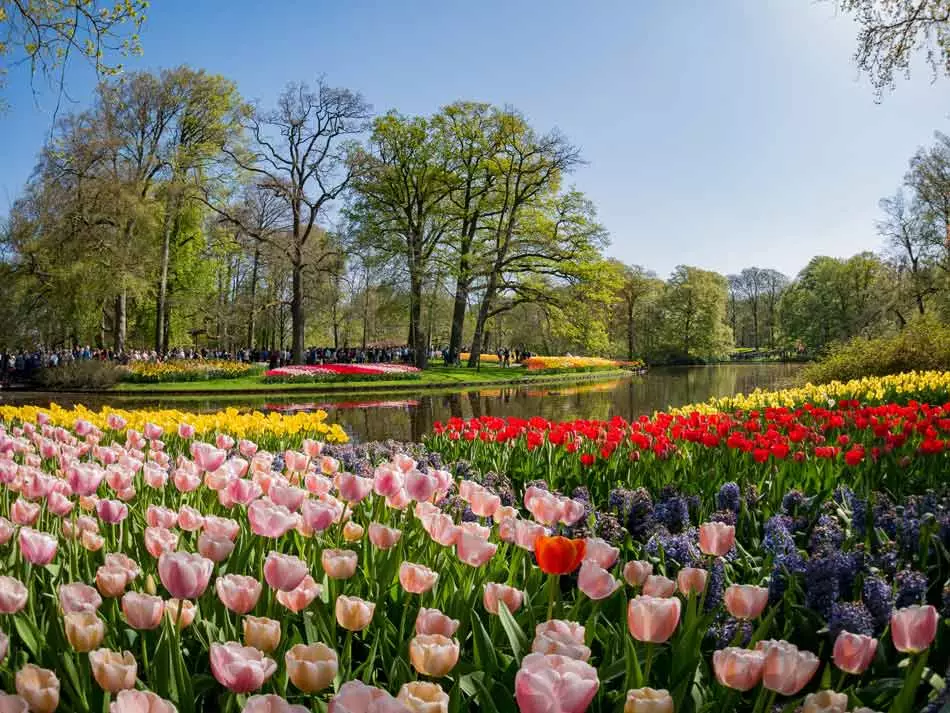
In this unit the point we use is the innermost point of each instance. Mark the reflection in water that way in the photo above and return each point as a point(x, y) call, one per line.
point(375, 417)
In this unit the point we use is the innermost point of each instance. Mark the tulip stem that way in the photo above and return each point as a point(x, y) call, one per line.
point(554, 589)
point(648, 665)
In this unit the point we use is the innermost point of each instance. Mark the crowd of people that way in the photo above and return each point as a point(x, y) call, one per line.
point(20, 365)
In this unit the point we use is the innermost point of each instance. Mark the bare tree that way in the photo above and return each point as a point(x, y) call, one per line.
point(298, 153)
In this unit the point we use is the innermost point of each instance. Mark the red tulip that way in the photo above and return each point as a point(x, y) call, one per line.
point(559, 555)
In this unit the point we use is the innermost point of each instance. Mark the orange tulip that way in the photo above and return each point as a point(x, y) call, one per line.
point(558, 555)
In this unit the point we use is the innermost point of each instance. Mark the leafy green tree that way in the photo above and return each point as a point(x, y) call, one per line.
point(694, 314)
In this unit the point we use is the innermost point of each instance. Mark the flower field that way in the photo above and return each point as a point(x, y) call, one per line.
point(551, 363)
point(342, 372)
point(146, 372)
point(771, 559)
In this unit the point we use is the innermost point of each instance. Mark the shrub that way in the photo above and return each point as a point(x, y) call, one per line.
point(923, 345)
point(82, 375)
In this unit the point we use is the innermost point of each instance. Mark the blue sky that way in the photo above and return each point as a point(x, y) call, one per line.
point(719, 134)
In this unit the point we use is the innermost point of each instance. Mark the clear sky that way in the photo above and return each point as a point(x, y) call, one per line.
point(718, 133)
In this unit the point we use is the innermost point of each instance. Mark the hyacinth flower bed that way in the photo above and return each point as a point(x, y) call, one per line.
point(148, 565)
point(341, 372)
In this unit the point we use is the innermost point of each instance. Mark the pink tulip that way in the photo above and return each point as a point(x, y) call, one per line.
point(13, 594)
point(656, 585)
point(311, 447)
point(125, 563)
point(238, 592)
point(189, 519)
point(247, 448)
point(572, 511)
point(37, 547)
point(423, 697)
point(269, 519)
point(153, 432)
point(716, 538)
point(484, 503)
point(387, 481)
point(300, 597)
point(132, 701)
point(339, 564)
point(653, 619)
point(6, 530)
point(317, 515)
point(112, 511)
point(745, 601)
point(287, 496)
point(317, 484)
point(158, 541)
point(84, 479)
point(420, 486)
point(432, 621)
point(82, 427)
point(503, 512)
point(353, 613)
point(39, 687)
point(78, 597)
point(473, 550)
point(352, 488)
point(142, 611)
point(158, 516)
point(134, 439)
point(787, 669)
point(284, 572)
point(546, 507)
point(913, 628)
point(357, 697)
point(403, 462)
point(155, 476)
point(595, 581)
point(739, 669)
point(417, 578)
point(496, 593)
point(853, 653)
point(240, 669)
point(271, 703)
point(382, 537)
point(224, 441)
point(601, 552)
point(207, 457)
point(527, 533)
point(442, 529)
point(186, 431)
point(473, 528)
point(185, 574)
point(554, 684)
point(564, 638)
point(216, 549)
point(222, 527)
point(691, 580)
point(23, 512)
point(185, 481)
point(59, 504)
point(636, 572)
point(242, 491)
point(433, 655)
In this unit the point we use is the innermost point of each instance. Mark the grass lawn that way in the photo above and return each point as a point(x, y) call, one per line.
point(433, 376)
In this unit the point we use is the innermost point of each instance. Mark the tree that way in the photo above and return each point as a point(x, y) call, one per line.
point(401, 188)
point(910, 244)
point(639, 286)
point(47, 34)
point(694, 309)
point(775, 284)
point(893, 31)
point(529, 167)
point(299, 153)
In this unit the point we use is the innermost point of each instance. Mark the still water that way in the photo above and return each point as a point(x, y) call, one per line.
point(405, 416)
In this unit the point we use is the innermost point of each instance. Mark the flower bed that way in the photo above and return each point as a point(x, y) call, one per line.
point(144, 567)
point(557, 364)
point(145, 372)
point(342, 372)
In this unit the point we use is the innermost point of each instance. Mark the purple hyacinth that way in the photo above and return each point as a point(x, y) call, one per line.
point(672, 511)
point(730, 632)
point(822, 584)
point(911, 588)
point(716, 585)
point(680, 548)
point(879, 599)
point(729, 497)
point(826, 537)
point(850, 616)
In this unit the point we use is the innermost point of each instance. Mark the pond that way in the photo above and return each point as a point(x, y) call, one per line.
point(405, 416)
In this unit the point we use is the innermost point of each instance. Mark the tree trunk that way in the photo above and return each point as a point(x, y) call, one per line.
point(253, 310)
point(296, 315)
point(167, 321)
point(417, 339)
point(479, 335)
point(630, 331)
point(162, 291)
point(119, 323)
